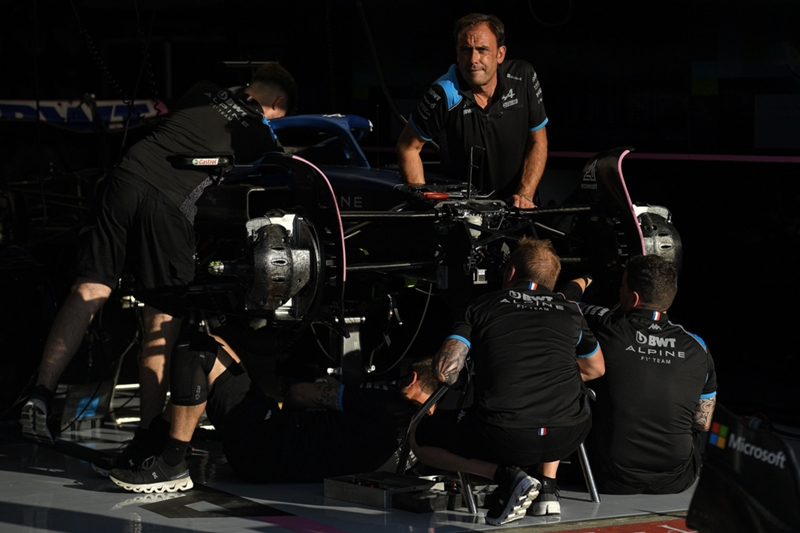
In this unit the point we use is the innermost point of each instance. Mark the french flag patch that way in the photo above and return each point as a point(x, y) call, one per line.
point(542, 432)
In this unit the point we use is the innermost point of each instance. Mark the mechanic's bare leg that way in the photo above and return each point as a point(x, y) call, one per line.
point(184, 418)
point(549, 469)
point(169, 467)
point(441, 458)
point(85, 299)
point(161, 332)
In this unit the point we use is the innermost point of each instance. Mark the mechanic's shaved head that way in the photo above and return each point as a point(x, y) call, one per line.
point(654, 278)
point(419, 384)
point(272, 79)
point(476, 18)
point(536, 260)
point(424, 369)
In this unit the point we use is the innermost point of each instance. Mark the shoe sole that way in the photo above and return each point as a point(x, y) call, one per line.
point(101, 470)
point(518, 503)
point(150, 488)
point(546, 508)
point(34, 423)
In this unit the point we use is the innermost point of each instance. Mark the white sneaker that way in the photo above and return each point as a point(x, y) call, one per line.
point(34, 421)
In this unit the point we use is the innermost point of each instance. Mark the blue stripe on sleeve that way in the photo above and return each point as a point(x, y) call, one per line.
point(707, 396)
point(419, 133)
point(459, 338)
point(449, 83)
point(341, 393)
point(540, 126)
point(596, 348)
point(698, 339)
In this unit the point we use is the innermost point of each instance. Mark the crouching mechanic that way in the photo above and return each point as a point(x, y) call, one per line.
point(529, 403)
point(659, 390)
point(262, 443)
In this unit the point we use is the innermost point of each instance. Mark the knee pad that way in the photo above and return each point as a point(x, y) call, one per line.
point(189, 370)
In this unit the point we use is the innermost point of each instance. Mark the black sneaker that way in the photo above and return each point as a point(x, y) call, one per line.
point(154, 475)
point(546, 503)
point(513, 499)
point(130, 457)
point(132, 454)
point(34, 420)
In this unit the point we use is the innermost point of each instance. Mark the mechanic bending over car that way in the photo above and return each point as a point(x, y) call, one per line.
point(529, 407)
point(659, 390)
point(358, 431)
point(145, 222)
point(483, 101)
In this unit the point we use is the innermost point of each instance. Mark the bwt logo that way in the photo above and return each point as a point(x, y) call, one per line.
point(528, 298)
point(720, 438)
point(652, 340)
point(77, 113)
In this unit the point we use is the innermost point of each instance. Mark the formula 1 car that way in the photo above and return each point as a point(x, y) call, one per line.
point(315, 240)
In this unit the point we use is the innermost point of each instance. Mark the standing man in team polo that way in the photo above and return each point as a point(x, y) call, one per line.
point(488, 111)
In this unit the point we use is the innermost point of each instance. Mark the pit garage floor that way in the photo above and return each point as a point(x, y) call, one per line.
point(54, 489)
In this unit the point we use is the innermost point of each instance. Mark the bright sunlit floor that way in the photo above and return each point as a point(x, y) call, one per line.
point(54, 489)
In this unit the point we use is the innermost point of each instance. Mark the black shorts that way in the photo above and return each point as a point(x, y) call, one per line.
point(613, 479)
point(461, 433)
point(264, 444)
point(139, 228)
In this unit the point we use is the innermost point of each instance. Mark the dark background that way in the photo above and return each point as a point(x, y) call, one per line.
point(708, 93)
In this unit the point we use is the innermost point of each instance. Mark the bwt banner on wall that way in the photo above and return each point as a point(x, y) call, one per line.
point(80, 114)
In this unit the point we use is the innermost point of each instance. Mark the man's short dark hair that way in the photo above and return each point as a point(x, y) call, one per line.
point(654, 278)
point(476, 18)
point(272, 73)
point(536, 260)
point(424, 369)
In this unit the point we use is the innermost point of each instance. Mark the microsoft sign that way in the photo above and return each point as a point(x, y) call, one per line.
point(722, 438)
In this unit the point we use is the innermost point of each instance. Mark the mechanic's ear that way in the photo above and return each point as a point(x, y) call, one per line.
point(501, 54)
point(277, 108)
point(509, 275)
point(635, 299)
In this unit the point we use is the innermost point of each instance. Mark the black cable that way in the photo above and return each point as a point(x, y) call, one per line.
point(136, 340)
point(334, 102)
point(39, 147)
point(377, 62)
point(145, 63)
point(379, 69)
point(416, 333)
point(112, 82)
point(32, 381)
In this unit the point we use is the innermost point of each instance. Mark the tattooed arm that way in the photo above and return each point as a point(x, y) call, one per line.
point(314, 396)
point(449, 361)
point(703, 413)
